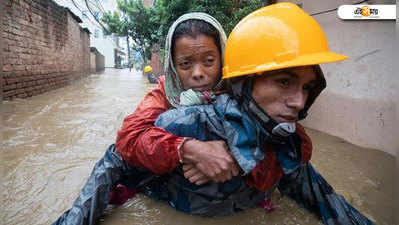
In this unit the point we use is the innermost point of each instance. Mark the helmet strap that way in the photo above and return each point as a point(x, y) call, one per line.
point(278, 131)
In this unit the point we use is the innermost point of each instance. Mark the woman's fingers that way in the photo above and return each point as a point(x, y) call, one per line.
point(235, 170)
point(194, 175)
point(211, 158)
point(202, 181)
point(187, 167)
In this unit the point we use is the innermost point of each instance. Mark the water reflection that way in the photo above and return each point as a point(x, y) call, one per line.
point(51, 142)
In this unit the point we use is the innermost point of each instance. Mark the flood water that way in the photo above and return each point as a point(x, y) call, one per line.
point(52, 141)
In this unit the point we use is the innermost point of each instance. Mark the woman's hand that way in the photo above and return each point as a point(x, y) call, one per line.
point(194, 175)
point(211, 160)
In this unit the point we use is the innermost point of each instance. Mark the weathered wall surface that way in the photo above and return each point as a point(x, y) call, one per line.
point(44, 47)
point(360, 102)
point(97, 60)
point(156, 64)
point(100, 62)
point(92, 62)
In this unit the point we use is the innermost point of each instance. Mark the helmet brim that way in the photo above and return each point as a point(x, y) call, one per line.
point(303, 60)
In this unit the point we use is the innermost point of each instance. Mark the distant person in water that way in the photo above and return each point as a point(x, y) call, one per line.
point(152, 78)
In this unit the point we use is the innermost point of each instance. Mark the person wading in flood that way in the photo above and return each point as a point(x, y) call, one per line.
point(269, 92)
point(272, 70)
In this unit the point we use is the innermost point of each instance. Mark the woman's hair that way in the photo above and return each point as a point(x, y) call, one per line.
point(193, 28)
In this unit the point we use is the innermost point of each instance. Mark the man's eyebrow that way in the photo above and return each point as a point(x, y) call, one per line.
point(210, 52)
point(291, 73)
point(294, 75)
point(284, 72)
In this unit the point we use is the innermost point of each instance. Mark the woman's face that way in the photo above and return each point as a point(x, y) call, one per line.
point(283, 94)
point(197, 61)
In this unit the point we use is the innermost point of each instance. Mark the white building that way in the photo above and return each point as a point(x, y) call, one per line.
point(113, 48)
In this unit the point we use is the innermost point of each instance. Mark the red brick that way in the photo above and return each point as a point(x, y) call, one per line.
point(22, 95)
point(9, 87)
point(7, 74)
point(7, 68)
point(20, 85)
point(19, 67)
point(12, 80)
point(9, 93)
point(30, 89)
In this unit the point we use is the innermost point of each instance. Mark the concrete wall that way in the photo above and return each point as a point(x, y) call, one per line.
point(100, 62)
point(92, 62)
point(97, 60)
point(360, 102)
point(2, 12)
point(44, 47)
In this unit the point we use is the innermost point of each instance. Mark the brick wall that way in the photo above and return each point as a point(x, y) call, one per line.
point(156, 64)
point(44, 47)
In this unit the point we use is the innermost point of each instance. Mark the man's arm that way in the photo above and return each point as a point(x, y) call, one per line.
point(310, 190)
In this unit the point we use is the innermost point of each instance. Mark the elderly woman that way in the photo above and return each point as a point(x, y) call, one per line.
point(194, 50)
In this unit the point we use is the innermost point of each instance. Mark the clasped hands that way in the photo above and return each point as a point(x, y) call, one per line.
point(208, 161)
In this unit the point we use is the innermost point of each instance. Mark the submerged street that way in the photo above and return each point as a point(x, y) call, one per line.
point(52, 141)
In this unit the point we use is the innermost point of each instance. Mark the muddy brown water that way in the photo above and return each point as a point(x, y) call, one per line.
point(52, 141)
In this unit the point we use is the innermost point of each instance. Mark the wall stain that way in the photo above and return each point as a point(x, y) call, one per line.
point(381, 119)
point(367, 54)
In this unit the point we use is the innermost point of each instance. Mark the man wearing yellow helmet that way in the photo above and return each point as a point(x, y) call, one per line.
point(150, 75)
point(272, 67)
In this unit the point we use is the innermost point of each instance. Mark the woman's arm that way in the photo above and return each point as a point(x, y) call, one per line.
point(144, 145)
point(141, 144)
point(207, 154)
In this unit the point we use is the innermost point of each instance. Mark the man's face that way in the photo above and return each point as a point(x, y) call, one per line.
point(283, 94)
point(197, 61)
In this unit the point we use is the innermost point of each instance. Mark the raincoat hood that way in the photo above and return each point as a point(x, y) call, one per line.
point(315, 92)
point(173, 85)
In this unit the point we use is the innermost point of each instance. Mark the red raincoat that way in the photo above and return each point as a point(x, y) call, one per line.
point(141, 144)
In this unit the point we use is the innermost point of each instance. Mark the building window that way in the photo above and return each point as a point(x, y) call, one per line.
point(96, 33)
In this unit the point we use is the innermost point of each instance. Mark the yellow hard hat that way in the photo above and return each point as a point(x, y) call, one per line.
point(274, 37)
point(147, 69)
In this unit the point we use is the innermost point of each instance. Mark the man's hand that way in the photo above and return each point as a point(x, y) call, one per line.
point(211, 158)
